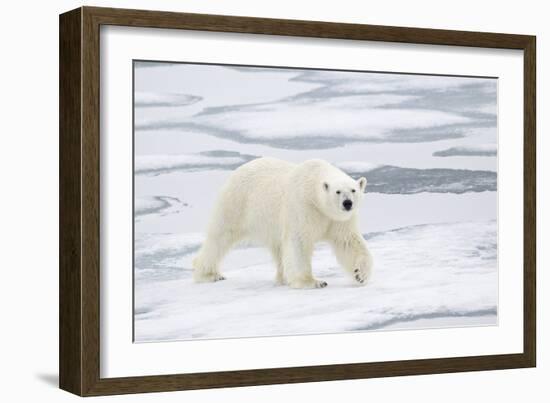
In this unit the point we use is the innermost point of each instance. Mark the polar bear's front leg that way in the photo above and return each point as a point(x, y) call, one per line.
point(277, 254)
point(363, 268)
point(353, 255)
point(297, 255)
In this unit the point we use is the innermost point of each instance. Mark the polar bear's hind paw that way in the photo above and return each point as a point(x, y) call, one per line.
point(311, 283)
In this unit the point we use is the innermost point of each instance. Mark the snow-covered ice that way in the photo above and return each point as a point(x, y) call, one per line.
point(358, 166)
point(421, 272)
point(156, 100)
point(146, 205)
point(216, 159)
point(356, 82)
point(481, 150)
point(399, 180)
point(393, 107)
point(319, 120)
point(430, 222)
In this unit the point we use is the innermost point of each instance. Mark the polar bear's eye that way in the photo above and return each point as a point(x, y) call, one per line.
point(353, 190)
point(337, 192)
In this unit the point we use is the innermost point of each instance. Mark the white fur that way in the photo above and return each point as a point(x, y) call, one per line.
point(287, 208)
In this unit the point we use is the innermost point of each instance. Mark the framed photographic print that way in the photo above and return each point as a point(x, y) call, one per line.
point(249, 201)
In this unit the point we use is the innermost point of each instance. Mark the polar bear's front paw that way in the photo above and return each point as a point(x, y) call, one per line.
point(359, 276)
point(362, 274)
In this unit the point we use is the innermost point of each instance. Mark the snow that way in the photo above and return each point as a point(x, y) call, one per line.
point(357, 166)
point(322, 118)
point(154, 99)
point(219, 85)
point(481, 150)
point(156, 164)
point(430, 221)
point(424, 272)
point(360, 82)
point(402, 180)
point(310, 109)
point(399, 180)
point(145, 205)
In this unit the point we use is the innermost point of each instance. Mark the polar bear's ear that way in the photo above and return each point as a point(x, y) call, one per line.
point(325, 186)
point(362, 183)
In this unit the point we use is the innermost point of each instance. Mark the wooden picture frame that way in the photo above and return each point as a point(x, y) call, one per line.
point(79, 316)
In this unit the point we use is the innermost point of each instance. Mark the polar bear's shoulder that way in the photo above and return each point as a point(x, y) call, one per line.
point(307, 170)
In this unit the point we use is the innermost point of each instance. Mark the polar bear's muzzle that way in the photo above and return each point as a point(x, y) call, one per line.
point(347, 204)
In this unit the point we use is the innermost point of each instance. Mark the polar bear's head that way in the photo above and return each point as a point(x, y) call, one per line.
point(341, 196)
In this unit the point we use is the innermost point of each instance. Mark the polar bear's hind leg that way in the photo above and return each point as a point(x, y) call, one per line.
point(297, 264)
point(206, 263)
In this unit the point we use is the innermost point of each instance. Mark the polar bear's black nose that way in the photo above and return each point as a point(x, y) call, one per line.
point(347, 204)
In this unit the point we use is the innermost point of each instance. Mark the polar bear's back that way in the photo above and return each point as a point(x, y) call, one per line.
point(265, 167)
point(262, 176)
point(252, 198)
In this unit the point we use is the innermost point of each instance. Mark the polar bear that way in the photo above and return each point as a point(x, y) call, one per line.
point(287, 208)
